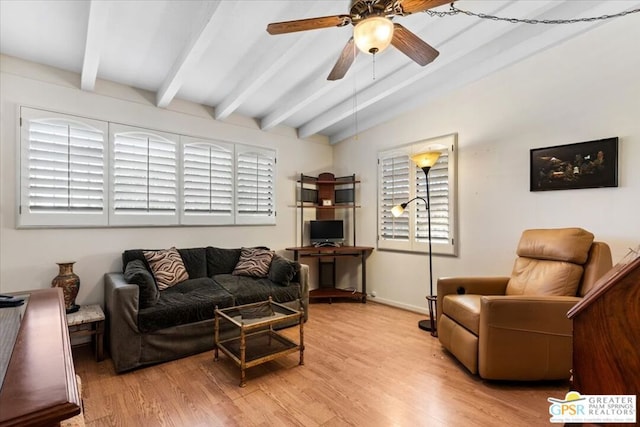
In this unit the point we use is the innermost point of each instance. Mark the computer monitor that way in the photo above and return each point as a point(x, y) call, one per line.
point(328, 231)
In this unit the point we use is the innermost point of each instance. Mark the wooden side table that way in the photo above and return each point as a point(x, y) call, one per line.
point(88, 321)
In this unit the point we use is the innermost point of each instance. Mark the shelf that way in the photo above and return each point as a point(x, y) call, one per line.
point(341, 206)
point(260, 347)
point(331, 293)
point(336, 182)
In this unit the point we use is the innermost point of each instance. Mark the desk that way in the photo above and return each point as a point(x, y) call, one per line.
point(40, 387)
point(327, 290)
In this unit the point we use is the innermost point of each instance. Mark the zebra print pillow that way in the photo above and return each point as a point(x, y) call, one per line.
point(167, 267)
point(253, 262)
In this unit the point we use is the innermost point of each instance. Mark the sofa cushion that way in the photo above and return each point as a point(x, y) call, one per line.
point(253, 262)
point(195, 261)
point(167, 267)
point(464, 309)
point(190, 301)
point(247, 290)
point(282, 270)
point(221, 261)
point(136, 273)
point(133, 254)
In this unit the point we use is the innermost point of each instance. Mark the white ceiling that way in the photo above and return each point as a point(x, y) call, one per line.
point(218, 53)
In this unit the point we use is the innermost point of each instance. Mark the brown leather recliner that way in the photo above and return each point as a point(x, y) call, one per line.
point(516, 328)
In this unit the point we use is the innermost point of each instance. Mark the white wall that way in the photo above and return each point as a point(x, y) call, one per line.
point(28, 257)
point(585, 89)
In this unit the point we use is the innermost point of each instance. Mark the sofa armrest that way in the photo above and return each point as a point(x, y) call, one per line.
point(303, 276)
point(471, 285)
point(525, 338)
point(121, 304)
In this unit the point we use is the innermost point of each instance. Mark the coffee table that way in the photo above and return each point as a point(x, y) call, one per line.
point(254, 340)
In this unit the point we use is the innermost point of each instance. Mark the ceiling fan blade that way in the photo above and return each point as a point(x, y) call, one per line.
point(412, 46)
point(308, 24)
point(344, 62)
point(413, 6)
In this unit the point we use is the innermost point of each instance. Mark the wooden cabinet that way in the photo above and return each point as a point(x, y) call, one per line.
point(326, 197)
point(606, 333)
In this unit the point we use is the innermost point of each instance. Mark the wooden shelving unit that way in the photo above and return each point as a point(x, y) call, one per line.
point(326, 194)
point(340, 192)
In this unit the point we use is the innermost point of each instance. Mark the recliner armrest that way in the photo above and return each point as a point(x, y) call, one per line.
point(525, 338)
point(527, 313)
point(470, 285)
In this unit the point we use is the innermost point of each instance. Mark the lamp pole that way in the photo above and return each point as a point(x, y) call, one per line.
point(425, 161)
point(429, 325)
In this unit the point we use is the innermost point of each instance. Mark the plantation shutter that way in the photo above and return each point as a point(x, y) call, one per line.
point(144, 177)
point(62, 170)
point(207, 182)
point(400, 180)
point(438, 201)
point(394, 190)
point(255, 185)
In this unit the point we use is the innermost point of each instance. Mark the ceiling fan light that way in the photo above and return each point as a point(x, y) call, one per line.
point(373, 35)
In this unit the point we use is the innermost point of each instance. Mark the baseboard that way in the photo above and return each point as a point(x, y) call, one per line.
point(408, 307)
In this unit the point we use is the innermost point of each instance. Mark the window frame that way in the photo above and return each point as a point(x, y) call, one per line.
point(440, 143)
point(245, 219)
point(108, 217)
point(150, 218)
point(206, 219)
point(51, 219)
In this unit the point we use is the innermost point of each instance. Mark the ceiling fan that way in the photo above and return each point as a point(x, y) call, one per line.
point(373, 30)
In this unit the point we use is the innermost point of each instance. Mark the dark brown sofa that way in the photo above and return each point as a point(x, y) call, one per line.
point(146, 326)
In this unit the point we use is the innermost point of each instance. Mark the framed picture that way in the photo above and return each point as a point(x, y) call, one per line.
point(590, 164)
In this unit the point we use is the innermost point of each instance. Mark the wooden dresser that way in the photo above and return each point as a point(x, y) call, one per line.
point(40, 388)
point(606, 333)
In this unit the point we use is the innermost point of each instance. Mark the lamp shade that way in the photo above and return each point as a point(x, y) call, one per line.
point(397, 210)
point(374, 34)
point(427, 159)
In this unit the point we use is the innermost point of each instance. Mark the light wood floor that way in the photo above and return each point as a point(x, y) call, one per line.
point(365, 365)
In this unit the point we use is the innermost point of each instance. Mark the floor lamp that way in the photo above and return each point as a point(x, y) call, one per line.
point(425, 161)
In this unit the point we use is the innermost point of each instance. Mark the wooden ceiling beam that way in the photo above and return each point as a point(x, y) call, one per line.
point(96, 34)
point(212, 19)
point(277, 56)
point(278, 53)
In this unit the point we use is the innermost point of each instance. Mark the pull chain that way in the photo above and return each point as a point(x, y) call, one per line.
point(374, 66)
point(355, 107)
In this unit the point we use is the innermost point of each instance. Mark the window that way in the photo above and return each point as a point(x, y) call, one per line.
point(255, 187)
point(62, 169)
point(145, 190)
point(207, 176)
point(394, 182)
point(400, 180)
point(79, 172)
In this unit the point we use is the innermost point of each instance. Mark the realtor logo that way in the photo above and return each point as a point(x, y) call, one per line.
point(605, 408)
